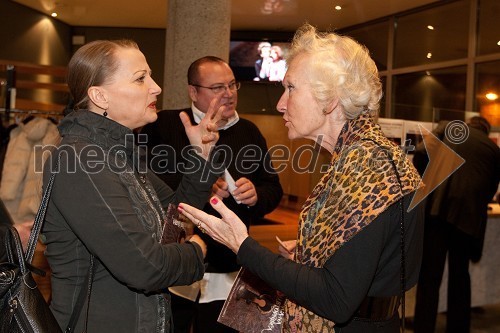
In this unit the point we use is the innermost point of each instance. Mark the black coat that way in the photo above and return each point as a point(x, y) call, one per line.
point(462, 199)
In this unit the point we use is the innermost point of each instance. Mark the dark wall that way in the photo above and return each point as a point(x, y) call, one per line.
point(30, 36)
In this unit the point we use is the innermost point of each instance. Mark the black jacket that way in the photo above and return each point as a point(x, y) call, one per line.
point(106, 203)
point(462, 199)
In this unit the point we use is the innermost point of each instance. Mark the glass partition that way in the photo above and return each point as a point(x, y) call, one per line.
point(376, 38)
point(488, 91)
point(488, 37)
point(416, 95)
point(431, 36)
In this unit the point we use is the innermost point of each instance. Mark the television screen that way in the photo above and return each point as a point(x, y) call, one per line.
point(258, 60)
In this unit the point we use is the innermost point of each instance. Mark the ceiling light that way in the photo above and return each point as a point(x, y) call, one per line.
point(430, 27)
point(338, 7)
point(427, 73)
point(54, 14)
point(429, 55)
point(498, 43)
point(491, 96)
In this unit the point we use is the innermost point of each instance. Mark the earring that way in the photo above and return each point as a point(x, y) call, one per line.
point(105, 114)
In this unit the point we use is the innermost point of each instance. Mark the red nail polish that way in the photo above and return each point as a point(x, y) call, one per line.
point(180, 208)
point(214, 201)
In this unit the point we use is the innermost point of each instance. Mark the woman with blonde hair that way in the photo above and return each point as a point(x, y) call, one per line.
point(359, 244)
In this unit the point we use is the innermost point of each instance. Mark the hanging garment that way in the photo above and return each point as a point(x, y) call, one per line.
point(21, 182)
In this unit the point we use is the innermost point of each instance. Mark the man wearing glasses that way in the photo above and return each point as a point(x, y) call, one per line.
point(256, 192)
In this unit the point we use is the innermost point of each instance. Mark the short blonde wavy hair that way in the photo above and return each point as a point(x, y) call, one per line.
point(340, 68)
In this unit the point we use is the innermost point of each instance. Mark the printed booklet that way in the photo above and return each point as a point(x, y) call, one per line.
point(252, 306)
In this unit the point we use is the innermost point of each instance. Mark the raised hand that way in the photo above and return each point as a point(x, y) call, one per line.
point(204, 136)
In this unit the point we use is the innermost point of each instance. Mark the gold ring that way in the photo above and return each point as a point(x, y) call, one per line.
point(201, 229)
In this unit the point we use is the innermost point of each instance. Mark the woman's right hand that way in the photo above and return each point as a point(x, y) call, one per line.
point(197, 239)
point(228, 230)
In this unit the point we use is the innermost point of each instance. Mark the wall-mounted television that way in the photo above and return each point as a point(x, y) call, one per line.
point(258, 60)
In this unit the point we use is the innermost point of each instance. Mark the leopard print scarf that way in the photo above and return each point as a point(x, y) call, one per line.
point(359, 185)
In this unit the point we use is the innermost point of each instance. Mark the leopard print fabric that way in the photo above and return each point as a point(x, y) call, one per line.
point(358, 186)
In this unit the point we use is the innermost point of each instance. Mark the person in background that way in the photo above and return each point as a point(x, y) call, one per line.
point(257, 190)
point(262, 64)
point(455, 224)
point(344, 273)
point(105, 203)
point(277, 67)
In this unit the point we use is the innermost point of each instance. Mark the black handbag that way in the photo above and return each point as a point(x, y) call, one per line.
point(22, 306)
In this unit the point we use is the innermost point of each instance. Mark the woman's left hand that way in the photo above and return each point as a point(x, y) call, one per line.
point(204, 136)
point(228, 230)
point(197, 239)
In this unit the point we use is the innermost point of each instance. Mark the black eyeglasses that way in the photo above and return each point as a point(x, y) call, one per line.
point(233, 86)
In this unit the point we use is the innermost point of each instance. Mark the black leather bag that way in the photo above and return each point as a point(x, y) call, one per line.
point(22, 306)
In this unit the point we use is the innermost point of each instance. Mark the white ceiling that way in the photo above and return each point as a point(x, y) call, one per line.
point(287, 15)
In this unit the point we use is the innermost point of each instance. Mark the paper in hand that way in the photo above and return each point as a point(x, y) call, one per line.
point(283, 245)
point(230, 184)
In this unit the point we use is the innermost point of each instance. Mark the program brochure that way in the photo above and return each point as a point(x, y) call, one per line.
point(252, 306)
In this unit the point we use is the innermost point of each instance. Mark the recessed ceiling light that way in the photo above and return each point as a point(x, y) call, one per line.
point(430, 27)
point(338, 7)
point(54, 14)
point(498, 43)
point(429, 55)
point(491, 96)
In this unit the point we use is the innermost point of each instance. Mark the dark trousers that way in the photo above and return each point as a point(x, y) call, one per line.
point(441, 238)
point(201, 316)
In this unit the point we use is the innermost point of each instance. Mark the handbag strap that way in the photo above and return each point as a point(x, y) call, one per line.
point(402, 280)
point(81, 298)
point(35, 232)
point(39, 218)
point(403, 255)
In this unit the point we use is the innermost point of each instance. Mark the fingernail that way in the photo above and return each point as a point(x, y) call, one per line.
point(180, 208)
point(214, 201)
